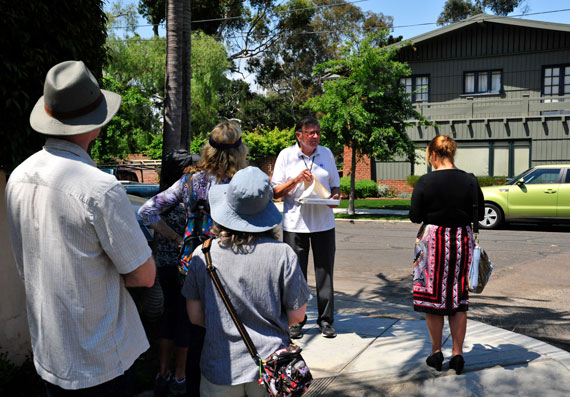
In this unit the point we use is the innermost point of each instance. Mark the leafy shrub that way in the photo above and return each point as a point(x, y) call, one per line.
point(383, 190)
point(363, 188)
point(491, 180)
point(404, 195)
point(265, 142)
point(411, 180)
point(345, 186)
point(366, 188)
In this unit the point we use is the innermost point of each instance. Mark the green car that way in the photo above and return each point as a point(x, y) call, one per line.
point(539, 194)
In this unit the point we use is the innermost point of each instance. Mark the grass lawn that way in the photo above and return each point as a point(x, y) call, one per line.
point(387, 204)
point(373, 217)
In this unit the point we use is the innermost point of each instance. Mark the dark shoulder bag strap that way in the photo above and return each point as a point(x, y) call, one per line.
point(475, 211)
point(239, 325)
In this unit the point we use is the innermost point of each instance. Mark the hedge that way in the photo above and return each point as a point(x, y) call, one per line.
point(363, 188)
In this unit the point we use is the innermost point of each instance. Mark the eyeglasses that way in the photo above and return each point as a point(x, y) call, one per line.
point(313, 132)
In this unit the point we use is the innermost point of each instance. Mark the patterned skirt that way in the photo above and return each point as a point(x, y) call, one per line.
point(441, 269)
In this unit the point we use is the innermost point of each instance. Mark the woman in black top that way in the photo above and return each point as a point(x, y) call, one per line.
point(443, 201)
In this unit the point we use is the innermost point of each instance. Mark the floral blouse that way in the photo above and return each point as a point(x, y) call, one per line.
point(174, 206)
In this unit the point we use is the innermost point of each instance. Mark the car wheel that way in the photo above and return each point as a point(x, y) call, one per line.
point(493, 217)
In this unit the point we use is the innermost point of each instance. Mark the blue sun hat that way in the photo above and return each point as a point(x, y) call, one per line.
point(245, 204)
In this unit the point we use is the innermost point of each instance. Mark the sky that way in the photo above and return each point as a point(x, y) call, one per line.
point(425, 12)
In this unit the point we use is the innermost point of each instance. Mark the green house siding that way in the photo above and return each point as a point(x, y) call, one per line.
point(498, 133)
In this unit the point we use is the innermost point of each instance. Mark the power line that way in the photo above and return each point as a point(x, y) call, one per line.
point(239, 17)
point(374, 27)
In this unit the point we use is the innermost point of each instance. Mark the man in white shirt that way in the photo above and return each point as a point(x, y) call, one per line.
point(309, 225)
point(77, 245)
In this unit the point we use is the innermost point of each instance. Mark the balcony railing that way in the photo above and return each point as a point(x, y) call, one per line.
point(469, 109)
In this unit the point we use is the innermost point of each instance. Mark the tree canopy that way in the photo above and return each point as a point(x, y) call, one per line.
point(457, 10)
point(35, 38)
point(310, 32)
point(365, 107)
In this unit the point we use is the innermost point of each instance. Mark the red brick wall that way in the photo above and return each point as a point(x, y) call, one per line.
point(148, 175)
point(397, 185)
point(363, 169)
point(267, 164)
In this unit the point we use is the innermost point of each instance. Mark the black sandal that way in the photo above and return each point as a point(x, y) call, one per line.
point(457, 363)
point(435, 360)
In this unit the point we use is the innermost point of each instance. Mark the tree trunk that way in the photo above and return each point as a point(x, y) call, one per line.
point(186, 130)
point(352, 193)
point(177, 134)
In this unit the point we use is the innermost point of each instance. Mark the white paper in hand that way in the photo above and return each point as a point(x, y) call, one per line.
point(316, 193)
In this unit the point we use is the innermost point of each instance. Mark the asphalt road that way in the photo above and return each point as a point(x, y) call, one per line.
point(529, 292)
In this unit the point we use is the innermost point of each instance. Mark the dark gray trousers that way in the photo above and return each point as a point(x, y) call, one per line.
point(323, 245)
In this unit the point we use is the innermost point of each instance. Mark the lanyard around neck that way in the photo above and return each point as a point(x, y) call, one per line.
point(312, 162)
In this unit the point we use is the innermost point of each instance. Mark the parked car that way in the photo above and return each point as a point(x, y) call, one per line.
point(540, 194)
point(122, 174)
point(146, 190)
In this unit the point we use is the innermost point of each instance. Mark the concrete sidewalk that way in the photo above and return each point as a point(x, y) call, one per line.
point(383, 354)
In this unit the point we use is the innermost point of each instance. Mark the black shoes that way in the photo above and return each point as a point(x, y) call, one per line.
point(435, 360)
point(296, 331)
point(327, 330)
point(457, 363)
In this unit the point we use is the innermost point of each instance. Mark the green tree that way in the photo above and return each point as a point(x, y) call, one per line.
point(122, 16)
point(255, 111)
point(136, 67)
point(243, 25)
point(309, 34)
point(135, 70)
point(209, 63)
point(457, 10)
point(133, 130)
point(365, 107)
point(136, 62)
point(154, 12)
point(35, 38)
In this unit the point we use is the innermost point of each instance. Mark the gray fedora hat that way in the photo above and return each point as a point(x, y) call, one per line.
point(72, 102)
point(245, 203)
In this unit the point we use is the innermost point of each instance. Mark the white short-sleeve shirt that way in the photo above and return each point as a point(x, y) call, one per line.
point(74, 233)
point(305, 218)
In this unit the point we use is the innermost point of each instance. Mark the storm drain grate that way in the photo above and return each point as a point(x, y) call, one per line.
point(319, 386)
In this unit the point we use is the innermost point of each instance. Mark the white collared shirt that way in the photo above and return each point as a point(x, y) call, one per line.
point(74, 233)
point(305, 218)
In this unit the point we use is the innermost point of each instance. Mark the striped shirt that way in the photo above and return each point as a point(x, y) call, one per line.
point(74, 233)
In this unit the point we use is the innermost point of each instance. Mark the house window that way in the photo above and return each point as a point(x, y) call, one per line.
point(417, 87)
point(484, 82)
point(556, 80)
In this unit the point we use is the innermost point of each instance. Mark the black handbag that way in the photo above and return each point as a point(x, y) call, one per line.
point(284, 373)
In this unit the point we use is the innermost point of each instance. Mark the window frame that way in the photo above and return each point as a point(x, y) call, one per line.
point(413, 94)
point(476, 73)
point(561, 75)
point(543, 171)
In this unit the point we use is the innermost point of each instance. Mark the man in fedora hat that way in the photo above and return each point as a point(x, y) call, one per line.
point(77, 245)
